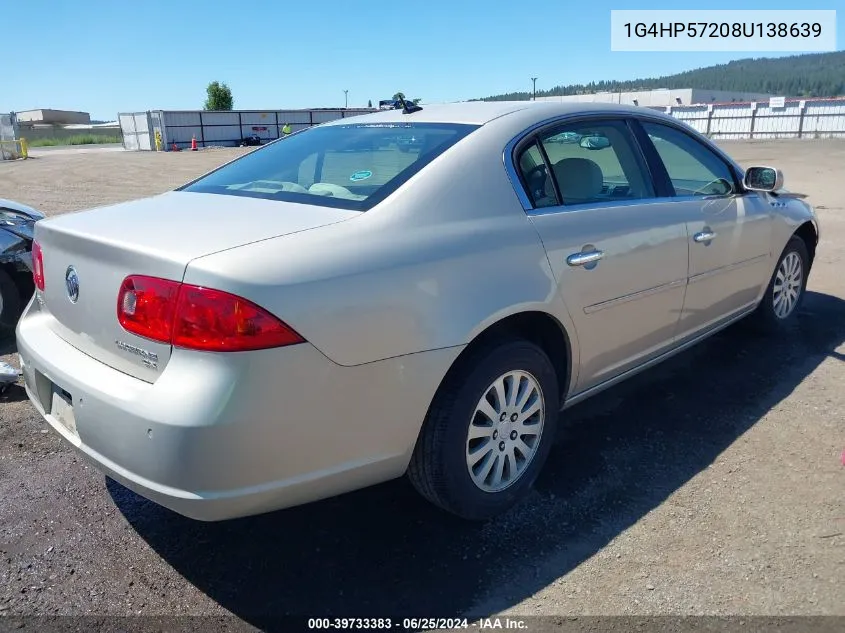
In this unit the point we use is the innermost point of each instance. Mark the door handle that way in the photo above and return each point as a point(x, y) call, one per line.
point(581, 259)
point(704, 236)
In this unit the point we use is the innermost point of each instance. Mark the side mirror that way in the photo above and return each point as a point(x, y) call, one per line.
point(766, 179)
point(594, 142)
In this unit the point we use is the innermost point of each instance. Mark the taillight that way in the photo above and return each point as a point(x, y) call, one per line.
point(37, 266)
point(146, 305)
point(198, 318)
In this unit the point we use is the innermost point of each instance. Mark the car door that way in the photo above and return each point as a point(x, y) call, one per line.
point(618, 254)
point(729, 230)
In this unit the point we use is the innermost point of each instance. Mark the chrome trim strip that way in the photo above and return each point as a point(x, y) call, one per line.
point(640, 294)
point(579, 397)
point(589, 206)
point(626, 202)
point(727, 268)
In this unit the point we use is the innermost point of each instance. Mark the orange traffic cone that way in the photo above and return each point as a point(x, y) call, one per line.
point(194, 143)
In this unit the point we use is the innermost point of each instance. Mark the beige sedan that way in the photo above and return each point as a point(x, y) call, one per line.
point(418, 291)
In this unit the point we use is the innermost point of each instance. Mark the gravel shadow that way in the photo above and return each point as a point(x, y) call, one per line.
point(384, 552)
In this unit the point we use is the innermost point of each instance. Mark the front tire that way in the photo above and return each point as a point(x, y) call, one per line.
point(786, 289)
point(488, 431)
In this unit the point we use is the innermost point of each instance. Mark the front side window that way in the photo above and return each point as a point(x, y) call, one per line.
point(590, 162)
point(693, 169)
point(347, 166)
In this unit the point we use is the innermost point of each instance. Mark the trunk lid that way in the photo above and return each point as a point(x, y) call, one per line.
point(156, 236)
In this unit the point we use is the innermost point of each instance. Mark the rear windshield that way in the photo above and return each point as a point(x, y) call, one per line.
point(345, 166)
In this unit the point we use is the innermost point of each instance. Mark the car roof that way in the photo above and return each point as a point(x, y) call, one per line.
point(481, 112)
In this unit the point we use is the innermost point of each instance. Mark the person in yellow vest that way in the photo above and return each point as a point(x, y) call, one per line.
point(286, 129)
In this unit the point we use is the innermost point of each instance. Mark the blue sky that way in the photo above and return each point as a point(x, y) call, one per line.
point(103, 57)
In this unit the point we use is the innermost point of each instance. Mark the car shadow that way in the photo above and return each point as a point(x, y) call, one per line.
point(384, 552)
point(8, 345)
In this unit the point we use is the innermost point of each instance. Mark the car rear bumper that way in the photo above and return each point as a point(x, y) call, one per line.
point(218, 436)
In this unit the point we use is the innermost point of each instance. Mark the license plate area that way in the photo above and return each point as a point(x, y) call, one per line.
point(61, 408)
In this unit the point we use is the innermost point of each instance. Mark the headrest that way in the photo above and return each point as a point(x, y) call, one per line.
point(579, 179)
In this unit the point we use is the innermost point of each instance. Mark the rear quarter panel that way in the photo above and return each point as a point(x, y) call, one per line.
point(448, 254)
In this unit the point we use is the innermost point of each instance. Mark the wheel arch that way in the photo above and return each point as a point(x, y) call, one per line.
point(808, 234)
point(541, 328)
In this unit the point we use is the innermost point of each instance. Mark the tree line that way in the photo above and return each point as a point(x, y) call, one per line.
point(811, 75)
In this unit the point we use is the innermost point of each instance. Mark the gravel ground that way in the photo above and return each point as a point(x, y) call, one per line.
point(709, 485)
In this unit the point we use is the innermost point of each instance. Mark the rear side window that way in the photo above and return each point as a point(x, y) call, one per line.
point(590, 162)
point(693, 169)
point(345, 166)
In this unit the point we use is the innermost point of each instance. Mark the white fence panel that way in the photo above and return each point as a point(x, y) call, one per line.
point(695, 116)
point(293, 117)
point(258, 118)
point(184, 133)
point(220, 118)
point(324, 116)
point(7, 133)
point(819, 126)
point(784, 125)
point(177, 119)
point(218, 133)
point(733, 126)
point(823, 118)
point(7, 130)
point(135, 128)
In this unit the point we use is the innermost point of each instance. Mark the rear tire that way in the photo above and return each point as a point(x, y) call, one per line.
point(786, 289)
point(482, 476)
point(10, 304)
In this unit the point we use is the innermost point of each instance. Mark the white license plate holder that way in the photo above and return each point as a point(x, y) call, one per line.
point(62, 409)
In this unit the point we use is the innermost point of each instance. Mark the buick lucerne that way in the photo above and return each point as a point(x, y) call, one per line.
point(417, 291)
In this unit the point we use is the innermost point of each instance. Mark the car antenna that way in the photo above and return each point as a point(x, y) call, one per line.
point(408, 108)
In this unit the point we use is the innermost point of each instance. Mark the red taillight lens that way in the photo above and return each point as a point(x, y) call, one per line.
point(212, 320)
point(37, 266)
point(146, 305)
point(198, 318)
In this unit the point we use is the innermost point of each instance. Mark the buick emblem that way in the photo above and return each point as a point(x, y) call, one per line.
point(72, 284)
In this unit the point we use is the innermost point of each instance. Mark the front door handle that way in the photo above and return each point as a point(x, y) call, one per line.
point(582, 258)
point(704, 236)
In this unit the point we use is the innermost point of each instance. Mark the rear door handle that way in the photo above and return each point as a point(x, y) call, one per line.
point(582, 258)
point(704, 236)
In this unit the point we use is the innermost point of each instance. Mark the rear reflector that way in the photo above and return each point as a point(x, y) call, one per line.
point(194, 317)
point(37, 266)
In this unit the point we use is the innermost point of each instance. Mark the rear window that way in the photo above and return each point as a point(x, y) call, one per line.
point(345, 166)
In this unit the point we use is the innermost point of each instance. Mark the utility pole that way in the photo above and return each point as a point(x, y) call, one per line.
point(534, 81)
point(346, 99)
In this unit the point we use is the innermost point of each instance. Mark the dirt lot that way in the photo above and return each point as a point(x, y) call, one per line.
point(710, 485)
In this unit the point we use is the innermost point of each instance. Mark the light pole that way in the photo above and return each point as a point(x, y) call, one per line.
point(534, 81)
point(345, 99)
